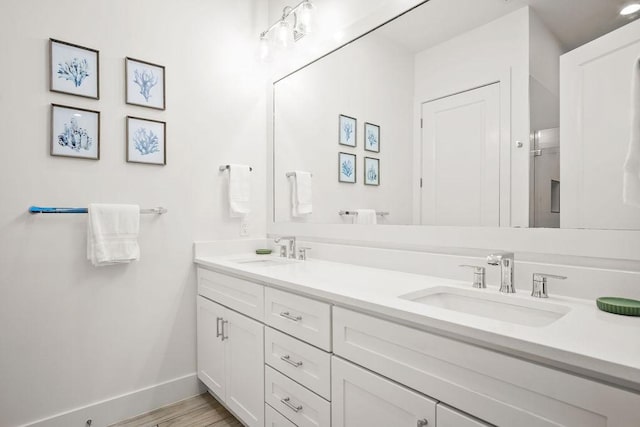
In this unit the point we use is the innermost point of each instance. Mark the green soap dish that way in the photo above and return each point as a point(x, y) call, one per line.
point(263, 251)
point(624, 306)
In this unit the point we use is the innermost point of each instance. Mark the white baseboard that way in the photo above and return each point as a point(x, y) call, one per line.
point(125, 406)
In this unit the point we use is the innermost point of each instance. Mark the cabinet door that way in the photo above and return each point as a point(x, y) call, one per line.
point(244, 366)
point(210, 346)
point(362, 398)
point(449, 417)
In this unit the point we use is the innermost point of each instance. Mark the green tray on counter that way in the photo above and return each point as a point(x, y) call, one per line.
point(624, 306)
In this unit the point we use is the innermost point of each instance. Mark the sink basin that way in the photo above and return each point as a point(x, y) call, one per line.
point(266, 261)
point(485, 303)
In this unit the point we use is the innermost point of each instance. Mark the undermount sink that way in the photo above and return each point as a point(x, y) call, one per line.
point(486, 303)
point(265, 261)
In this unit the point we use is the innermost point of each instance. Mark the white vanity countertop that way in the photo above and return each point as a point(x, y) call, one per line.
point(585, 341)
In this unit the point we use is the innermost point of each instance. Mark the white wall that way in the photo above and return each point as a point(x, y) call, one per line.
point(307, 105)
point(73, 334)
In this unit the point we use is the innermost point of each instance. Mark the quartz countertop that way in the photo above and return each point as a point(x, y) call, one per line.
point(585, 341)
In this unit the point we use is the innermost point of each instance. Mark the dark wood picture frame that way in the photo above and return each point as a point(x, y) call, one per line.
point(74, 71)
point(140, 95)
point(74, 138)
point(130, 138)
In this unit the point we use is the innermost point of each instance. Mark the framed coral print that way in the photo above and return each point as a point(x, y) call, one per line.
point(372, 137)
point(371, 171)
point(347, 168)
point(75, 132)
point(74, 69)
point(146, 141)
point(347, 130)
point(145, 84)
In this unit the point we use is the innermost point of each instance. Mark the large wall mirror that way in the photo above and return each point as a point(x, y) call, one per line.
point(450, 115)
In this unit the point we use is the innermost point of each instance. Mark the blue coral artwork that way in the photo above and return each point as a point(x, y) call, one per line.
point(372, 137)
point(371, 171)
point(347, 168)
point(145, 84)
point(75, 132)
point(74, 69)
point(146, 141)
point(347, 130)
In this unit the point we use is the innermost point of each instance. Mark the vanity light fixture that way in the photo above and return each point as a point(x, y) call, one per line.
point(630, 9)
point(294, 24)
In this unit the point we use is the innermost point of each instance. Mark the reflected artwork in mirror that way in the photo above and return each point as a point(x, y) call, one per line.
point(509, 114)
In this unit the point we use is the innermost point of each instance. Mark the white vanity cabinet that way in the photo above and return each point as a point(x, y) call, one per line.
point(231, 345)
point(362, 398)
point(494, 387)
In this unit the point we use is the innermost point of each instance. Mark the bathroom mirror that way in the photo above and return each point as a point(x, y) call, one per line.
point(449, 115)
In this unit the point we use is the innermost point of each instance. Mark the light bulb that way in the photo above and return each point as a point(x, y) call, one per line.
point(630, 9)
point(284, 35)
point(305, 17)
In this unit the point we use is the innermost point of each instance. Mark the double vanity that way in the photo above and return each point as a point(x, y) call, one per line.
point(288, 342)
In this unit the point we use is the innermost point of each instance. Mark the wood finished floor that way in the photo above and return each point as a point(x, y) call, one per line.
point(197, 411)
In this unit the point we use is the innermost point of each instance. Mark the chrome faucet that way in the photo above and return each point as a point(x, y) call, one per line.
point(290, 252)
point(505, 261)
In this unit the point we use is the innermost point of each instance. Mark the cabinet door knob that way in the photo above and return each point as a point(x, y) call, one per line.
point(287, 359)
point(421, 423)
point(287, 402)
point(289, 316)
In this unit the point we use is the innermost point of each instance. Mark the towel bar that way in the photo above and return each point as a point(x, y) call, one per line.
point(223, 168)
point(39, 209)
point(341, 213)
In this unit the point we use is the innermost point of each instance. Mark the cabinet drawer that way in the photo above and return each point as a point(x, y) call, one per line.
point(303, 407)
point(274, 418)
point(240, 295)
point(304, 318)
point(449, 417)
point(301, 362)
point(362, 398)
point(497, 388)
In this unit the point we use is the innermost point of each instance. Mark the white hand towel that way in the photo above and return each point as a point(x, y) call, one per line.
point(301, 200)
point(239, 190)
point(631, 183)
point(112, 234)
point(366, 216)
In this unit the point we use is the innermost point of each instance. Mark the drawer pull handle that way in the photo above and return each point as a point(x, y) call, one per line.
point(223, 336)
point(218, 333)
point(421, 423)
point(288, 315)
point(287, 359)
point(287, 402)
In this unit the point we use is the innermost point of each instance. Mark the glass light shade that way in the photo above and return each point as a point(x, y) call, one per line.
point(283, 35)
point(630, 9)
point(305, 17)
point(264, 48)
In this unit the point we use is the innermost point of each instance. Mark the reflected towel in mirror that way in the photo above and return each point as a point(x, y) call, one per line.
point(365, 216)
point(301, 195)
point(631, 184)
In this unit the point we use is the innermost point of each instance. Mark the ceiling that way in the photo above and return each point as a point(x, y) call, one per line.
point(574, 22)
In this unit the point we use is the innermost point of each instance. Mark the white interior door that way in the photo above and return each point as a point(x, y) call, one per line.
point(461, 159)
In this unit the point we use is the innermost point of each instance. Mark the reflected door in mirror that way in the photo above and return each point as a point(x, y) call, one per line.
point(461, 159)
